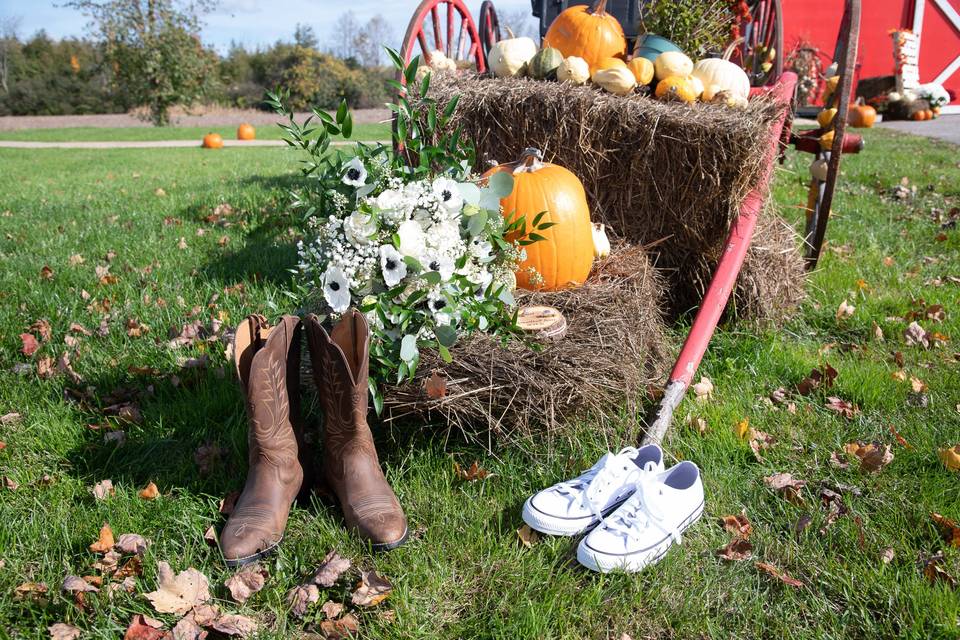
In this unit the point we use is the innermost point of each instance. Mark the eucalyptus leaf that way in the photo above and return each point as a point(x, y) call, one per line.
point(408, 348)
point(501, 183)
point(469, 192)
point(477, 222)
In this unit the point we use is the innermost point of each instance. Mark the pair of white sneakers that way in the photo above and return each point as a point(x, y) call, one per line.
point(635, 508)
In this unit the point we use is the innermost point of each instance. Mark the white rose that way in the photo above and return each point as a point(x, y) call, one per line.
point(412, 239)
point(359, 228)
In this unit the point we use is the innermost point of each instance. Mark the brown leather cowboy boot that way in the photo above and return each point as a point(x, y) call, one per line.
point(268, 365)
point(350, 464)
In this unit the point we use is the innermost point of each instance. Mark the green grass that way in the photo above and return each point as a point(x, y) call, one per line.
point(464, 574)
point(375, 131)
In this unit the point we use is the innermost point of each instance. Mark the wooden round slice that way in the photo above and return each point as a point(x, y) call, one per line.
point(543, 321)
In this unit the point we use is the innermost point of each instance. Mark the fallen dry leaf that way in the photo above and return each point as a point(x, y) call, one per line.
point(29, 344)
point(76, 259)
point(109, 562)
point(139, 629)
point(233, 624)
point(332, 609)
point(936, 573)
point(703, 390)
point(180, 593)
point(63, 631)
point(878, 333)
point(778, 574)
point(914, 334)
point(182, 244)
point(301, 597)
point(46, 273)
point(948, 528)
point(817, 379)
point(845, 310)
point(873, 456)
point(330, 570)
point(30, 592)
point(188, 629)
point(738, 525)
point(697, 423)
point(950, 457)
point(149, 492)
point(105, 541)
point(528, 537)
point(131, 543)
point(899, 438)
point(802, 523)
point(246, 582)
point(736, 550)
point(210, 536)
point(787, 485)
point(10, 418)
point(103, 489)
point(435, 386)
point(344, 627)
point(371, 590)
point(131, 568)
point(843, 407)
point(473, 473)
point(887, 555)
point(76, 584)
point(917, 385)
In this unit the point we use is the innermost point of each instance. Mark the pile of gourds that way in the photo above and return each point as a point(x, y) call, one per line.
point(588, 44)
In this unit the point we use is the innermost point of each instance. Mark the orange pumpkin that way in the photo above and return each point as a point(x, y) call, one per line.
point(564, 258)
point(928, 114)
point(212, 141)
point(608, 63)
point(676, 88)
point(246, 132)
point(862, 115)
point(588, 33)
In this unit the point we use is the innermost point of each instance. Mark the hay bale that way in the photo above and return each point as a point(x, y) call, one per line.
point(660, 174)
point(614, 349)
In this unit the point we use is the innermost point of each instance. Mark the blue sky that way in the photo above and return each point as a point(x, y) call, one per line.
point(252, 22)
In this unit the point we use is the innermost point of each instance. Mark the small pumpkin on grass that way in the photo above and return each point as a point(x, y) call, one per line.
point(212, 141)
point(862, 116)
point(246, 132)
point(587, 32)
point(564, 256)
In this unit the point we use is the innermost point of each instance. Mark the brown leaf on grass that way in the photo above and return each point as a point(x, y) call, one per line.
point(817, 379)
point(802, 523)
point(104, 541)
point(843, 407)
point(139, 629)
point(182, 243)
point(778, 395)
point(472, 473)
point(63, 631)
point(950, 457)
point(759, 441)
point(332, 609)
point(873, 456)
point(180, 593)
point(246, 582)
point(914, 334)
point(210, 536)
point(30, 592)
point(845, 310)
point(131, 568)
point(46, 273)
point(42, 328)
point(703, 390)
point(10, 418)
point(205, 614)
point(188, 629)
point(528, 537)
point(697, 423)
point(917, 385)
point(435, 386)
point(788, 486)
point(878, 333)
point(837, 461)
point(301, 597)
point(76, 259)
point(887, 555)
point(76, 584)
point(371, 590)
point(233, 624)
point(128, 412)
point(10, 484)
point(344, 627)
point(738, 525)
point(934, 572)
point(948, 528)
point(330, 570)
point(899, 375)
point(899, 438)
point(102, 490)
point(29, 344)
point(131, 543)
point(149, 492)
point(135, 328)
point(936, 313)
point(735, 550)
point(64, 366)
point(108, 563)
point(778, 573)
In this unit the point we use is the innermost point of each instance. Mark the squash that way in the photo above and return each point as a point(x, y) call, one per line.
point(710, 92)
point(246, 132)
point(826, 141)
point(919, 115)
point(618, 80)
point(601, 244)
point(544, 65)
point(862, 116)
point(608, 63)
point(697, 85)
point(672, 63)
point(573, 69)
point(728, 76)
point(818, 169)
point(587, 32)
point(676, 88)
point(642, 69)
point(564, 258)
point(212, 141)
point(510, 56)
point(928, 114)
point(438, 61)
point(825, 117)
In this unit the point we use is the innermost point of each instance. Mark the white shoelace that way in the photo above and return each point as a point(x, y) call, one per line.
point(641, 511)
point(613, 471)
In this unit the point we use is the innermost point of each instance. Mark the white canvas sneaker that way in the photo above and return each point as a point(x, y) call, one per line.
point(640, 532)
point(571, 507)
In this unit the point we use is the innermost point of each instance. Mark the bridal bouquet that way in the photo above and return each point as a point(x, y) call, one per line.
point(414, 240)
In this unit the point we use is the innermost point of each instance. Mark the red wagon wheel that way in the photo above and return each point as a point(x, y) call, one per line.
point(759, 49)
point(489, 25)
point(447, 26)
point(846, 58)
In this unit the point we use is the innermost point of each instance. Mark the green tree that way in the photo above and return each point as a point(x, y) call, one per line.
point(155, 50)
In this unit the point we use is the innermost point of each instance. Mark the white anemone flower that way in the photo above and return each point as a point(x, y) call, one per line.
point(447, 191)
point(359, 228)
point(439, 307)
point(356, 173)
point(412, 238)
point(441, 263)
point(336, 289)
point(392, 265)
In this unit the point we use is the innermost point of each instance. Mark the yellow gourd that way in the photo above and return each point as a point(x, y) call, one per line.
point(642, 69)
point(618, 80)
point(825, 117)
point(672, 63)
point(573, 69)
point(676, 88)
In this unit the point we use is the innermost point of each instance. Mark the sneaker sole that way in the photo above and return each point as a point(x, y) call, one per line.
point(555, 526)
point(632, 562)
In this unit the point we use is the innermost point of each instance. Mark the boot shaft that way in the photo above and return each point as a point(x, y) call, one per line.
point(341, 368)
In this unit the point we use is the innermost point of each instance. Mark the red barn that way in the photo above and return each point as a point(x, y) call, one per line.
point(937, 22)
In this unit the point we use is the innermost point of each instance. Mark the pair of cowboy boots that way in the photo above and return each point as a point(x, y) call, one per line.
point(268, 366)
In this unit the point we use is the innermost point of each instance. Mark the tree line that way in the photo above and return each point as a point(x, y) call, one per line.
point(148, 54)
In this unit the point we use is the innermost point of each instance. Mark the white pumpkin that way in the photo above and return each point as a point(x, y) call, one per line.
point(710, 92)
point(617, 80)
point(440, 62)
point(573, 69)
point(818, 169)
point(894, 96)
point(509, 57)
point(728, 76)
point(698, 87)
point(672, 63)
point(601, 244)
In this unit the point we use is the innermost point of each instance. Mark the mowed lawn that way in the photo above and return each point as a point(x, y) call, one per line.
point(173, 258)
point(374, 131)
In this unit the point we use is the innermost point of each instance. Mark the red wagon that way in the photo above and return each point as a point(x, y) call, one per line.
point(448, 26)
